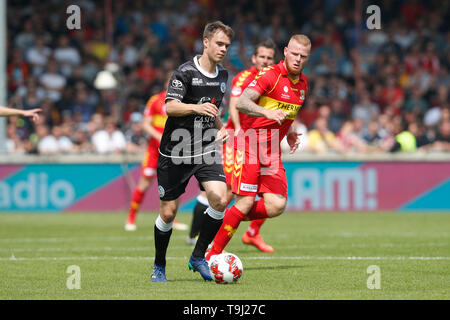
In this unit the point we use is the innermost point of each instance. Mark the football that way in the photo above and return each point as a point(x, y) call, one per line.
point(226, 268)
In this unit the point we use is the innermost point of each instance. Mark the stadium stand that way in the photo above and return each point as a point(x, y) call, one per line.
point(374, 91)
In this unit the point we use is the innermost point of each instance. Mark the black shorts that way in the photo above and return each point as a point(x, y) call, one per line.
point(173, 178)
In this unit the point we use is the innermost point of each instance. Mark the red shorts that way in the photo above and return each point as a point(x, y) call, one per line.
point(228, 154)
point(251, 178)
point(150, 161)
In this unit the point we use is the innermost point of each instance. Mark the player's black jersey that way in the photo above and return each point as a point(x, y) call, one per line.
point(193, 134)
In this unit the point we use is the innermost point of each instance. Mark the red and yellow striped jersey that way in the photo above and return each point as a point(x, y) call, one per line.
point(239, 83)
point(278, 91)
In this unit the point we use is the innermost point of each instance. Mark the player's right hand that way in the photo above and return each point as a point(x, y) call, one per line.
point(276, 115)
point(32, 113)
point(207, 109)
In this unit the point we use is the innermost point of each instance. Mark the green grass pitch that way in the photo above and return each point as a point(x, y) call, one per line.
point(317, 256)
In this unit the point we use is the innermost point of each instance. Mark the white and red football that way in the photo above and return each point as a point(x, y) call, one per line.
point(226, 268)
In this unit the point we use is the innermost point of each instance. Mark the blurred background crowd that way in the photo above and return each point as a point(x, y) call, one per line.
point(370, 91)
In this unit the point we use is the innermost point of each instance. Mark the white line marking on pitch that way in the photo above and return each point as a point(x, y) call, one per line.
point(145, 238)
point(14, 258)
point(150, 248)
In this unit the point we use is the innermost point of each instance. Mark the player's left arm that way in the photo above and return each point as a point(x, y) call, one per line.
point(32, 113)
point(234, 113)
point(148, 127)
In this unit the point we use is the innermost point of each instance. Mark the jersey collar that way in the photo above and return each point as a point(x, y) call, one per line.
point(205, 73)
point(284, 73)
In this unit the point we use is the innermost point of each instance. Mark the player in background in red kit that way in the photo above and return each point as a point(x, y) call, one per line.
point(264, 56)
point(153, 124)
point(273, 100)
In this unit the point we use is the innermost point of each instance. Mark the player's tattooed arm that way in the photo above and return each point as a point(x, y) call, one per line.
point(247, 105)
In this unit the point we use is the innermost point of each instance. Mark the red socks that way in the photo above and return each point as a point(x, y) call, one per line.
point(257, 215)
point(136, 201)
point(258, 211)
point(253, 228)
point(232, 219)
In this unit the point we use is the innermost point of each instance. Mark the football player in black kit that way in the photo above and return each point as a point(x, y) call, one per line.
point(189, 146)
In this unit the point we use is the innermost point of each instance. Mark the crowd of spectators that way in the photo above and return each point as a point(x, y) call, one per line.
point(381, 90)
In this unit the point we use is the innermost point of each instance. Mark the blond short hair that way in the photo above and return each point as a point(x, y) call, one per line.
point(302, 39)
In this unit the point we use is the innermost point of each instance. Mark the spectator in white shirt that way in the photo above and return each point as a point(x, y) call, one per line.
point(55, 142)
point(38, 56)
point(47, 143)
point(52, 81)
point(109, 140)
point(67, 56)
point(64, 143)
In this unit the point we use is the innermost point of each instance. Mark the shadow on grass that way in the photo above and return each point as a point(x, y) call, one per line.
point(273, 268)
point(187, 280)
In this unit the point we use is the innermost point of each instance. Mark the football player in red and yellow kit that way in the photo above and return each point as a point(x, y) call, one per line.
point(153, 124)
point(272, 100)
point(264, 56)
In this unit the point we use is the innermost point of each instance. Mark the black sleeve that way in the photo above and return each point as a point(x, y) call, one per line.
point(178, 86)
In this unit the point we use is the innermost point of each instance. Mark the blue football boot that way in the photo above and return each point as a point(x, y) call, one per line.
point(159, 274)
point(200, 265)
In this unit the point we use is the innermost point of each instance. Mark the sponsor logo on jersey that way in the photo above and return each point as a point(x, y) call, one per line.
point(223, 87)
point(249, 187)
point(177, 84)
point(208, 99)
point(197, 81)
point(236, 91)
point(302, 94)
point(174, 95)
point(288, 106)
point(204, 118)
